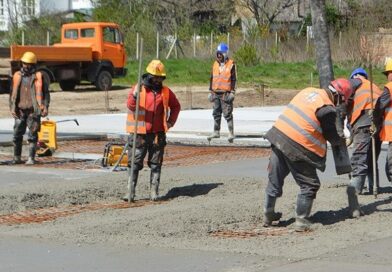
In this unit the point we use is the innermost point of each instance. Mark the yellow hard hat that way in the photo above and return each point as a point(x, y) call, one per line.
point(156, 68)
point(29, 57)
point(388, 67)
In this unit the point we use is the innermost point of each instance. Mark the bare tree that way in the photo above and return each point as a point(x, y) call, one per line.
point(266, 10)
point(321, 41)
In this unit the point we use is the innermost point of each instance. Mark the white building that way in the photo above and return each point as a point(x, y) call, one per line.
point(18, 11)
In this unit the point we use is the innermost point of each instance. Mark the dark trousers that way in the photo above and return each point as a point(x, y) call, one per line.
point(304, 174)
point(151, 143)
point(221, 105)
point(388, 163)
point(26, 119)
point(362, 158)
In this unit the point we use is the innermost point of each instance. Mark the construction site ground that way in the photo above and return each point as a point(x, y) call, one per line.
point(67, 214)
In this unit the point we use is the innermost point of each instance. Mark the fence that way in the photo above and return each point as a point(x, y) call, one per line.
point(270, 47)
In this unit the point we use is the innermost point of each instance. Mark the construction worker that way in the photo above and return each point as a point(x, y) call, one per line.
point(158, 112)
point(27, 105)
point(222, 91)
point(365, 119)
point(299, 144)
point(386, 107)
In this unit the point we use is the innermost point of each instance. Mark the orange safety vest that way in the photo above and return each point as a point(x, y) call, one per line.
point(362, 99)
point(221, 77)
point(141, 124)
point(386, 131)
point(16, 80)
point(299, 122)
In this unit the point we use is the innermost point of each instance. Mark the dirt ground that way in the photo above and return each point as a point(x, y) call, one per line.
point(201, 212)
point(86, 100)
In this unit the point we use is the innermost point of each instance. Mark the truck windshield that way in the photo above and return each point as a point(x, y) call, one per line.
point(71, 34)
point(87, 32)
point(111, 35)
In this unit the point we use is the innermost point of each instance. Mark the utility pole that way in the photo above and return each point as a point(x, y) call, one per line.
point(321, 41)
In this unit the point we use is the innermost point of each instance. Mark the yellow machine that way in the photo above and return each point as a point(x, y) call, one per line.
point(112, 154)
point(47, 137)
point(48, 134)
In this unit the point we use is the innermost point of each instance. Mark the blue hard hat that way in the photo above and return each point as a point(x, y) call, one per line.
point(359, 71)
point(222, 48)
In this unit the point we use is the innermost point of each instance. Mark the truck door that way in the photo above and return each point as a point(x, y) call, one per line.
point(113, 46)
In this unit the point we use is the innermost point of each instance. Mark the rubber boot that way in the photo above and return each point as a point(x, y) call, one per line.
point(371, 183)
point(304, 206)
point(216, 133)
point(17, 153)
point(230, 125)
point(269, 211)
point(32, 148)
point(353, 189)
point(132, 182)
point(154, 185)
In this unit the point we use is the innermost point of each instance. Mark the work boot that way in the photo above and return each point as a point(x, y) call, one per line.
point(371, 183)
point(269, 211)
point(132, 181)
point(32, 148)
point(304, 206)
point(17, 160)
point(17, 153)
point(230, 125)
point(215, 134)
point(353, 189)
point(154, 185)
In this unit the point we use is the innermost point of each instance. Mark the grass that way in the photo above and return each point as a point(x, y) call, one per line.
point(274, 75)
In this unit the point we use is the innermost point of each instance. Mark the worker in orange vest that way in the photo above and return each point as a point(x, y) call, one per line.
point(158, 112)
point(299, 145)
point(222, 91)
point(27, 104)
point(365, 123)
point(386, 106)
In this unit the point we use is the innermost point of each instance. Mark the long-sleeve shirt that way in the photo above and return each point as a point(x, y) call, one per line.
point(154, 109)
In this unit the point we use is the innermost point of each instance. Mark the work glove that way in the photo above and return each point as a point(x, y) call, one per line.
point(349, 140)
point(373, 130)
point(44, 111)
point(14, 114)
point(211, 97)
point(229, 97)
point(135, 91)
point(348, 134)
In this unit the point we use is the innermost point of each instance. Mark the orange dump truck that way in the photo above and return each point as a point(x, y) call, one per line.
point(89, 51)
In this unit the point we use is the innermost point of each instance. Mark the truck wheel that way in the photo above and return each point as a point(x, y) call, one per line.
point(104, 80)
point(67, 85)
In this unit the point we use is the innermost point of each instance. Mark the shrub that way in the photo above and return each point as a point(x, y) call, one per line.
point(246, 55)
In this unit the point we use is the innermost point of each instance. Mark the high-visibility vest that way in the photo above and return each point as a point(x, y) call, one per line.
point(221, 77)
point(299, 121)
point(386, 130)
point(141, 124)
point(37, 84)
point(362, 99)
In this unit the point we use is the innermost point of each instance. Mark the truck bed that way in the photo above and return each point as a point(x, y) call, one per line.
point(52, 53)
